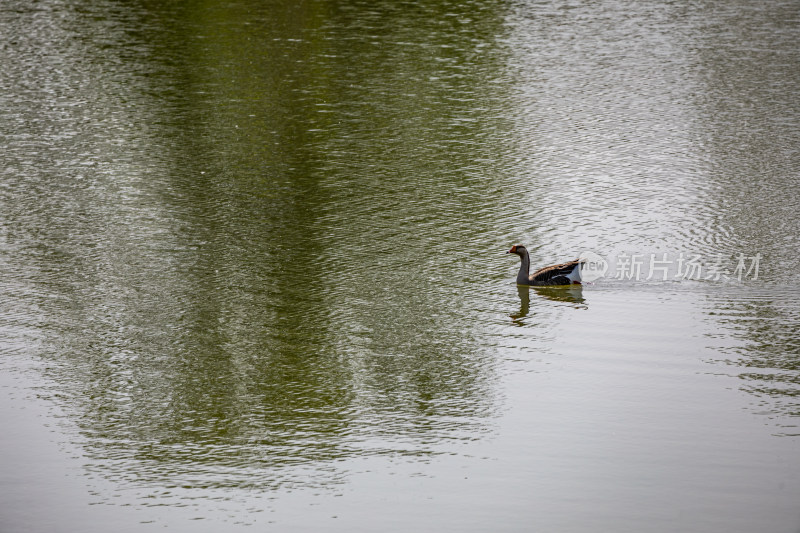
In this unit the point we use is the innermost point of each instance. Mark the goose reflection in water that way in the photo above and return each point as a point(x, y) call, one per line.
point(571, 294)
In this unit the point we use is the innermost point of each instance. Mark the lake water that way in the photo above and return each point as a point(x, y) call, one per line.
point(253, 271)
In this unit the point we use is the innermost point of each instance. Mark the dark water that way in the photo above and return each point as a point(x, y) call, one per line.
point(252, 266)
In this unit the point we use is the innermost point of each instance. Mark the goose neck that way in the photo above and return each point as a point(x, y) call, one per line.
point(524, 268)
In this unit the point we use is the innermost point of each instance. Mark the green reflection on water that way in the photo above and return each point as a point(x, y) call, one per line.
point(255, 279)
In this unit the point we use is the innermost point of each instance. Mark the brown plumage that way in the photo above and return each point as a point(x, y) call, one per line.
point(568, 273)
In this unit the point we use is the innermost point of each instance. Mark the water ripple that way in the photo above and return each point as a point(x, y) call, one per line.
point(244, 247)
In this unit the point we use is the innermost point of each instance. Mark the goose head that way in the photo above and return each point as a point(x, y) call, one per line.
point(518, 250)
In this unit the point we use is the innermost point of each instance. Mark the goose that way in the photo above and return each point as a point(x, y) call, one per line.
point(564, 274)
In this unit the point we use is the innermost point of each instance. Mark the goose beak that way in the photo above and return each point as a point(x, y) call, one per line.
point(512, 250)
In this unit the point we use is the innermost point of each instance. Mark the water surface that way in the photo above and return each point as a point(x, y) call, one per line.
point(252, 266)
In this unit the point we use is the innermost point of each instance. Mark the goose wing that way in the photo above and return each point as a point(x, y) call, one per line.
point(555, 274)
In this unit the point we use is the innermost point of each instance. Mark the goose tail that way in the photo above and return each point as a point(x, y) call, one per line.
point(575, 275)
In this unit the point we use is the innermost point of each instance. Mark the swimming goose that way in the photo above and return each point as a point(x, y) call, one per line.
point(563, 274)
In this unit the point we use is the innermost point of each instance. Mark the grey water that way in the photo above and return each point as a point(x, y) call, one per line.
point(253, 271)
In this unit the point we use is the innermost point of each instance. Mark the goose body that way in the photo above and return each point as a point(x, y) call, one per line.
point(563, 274)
